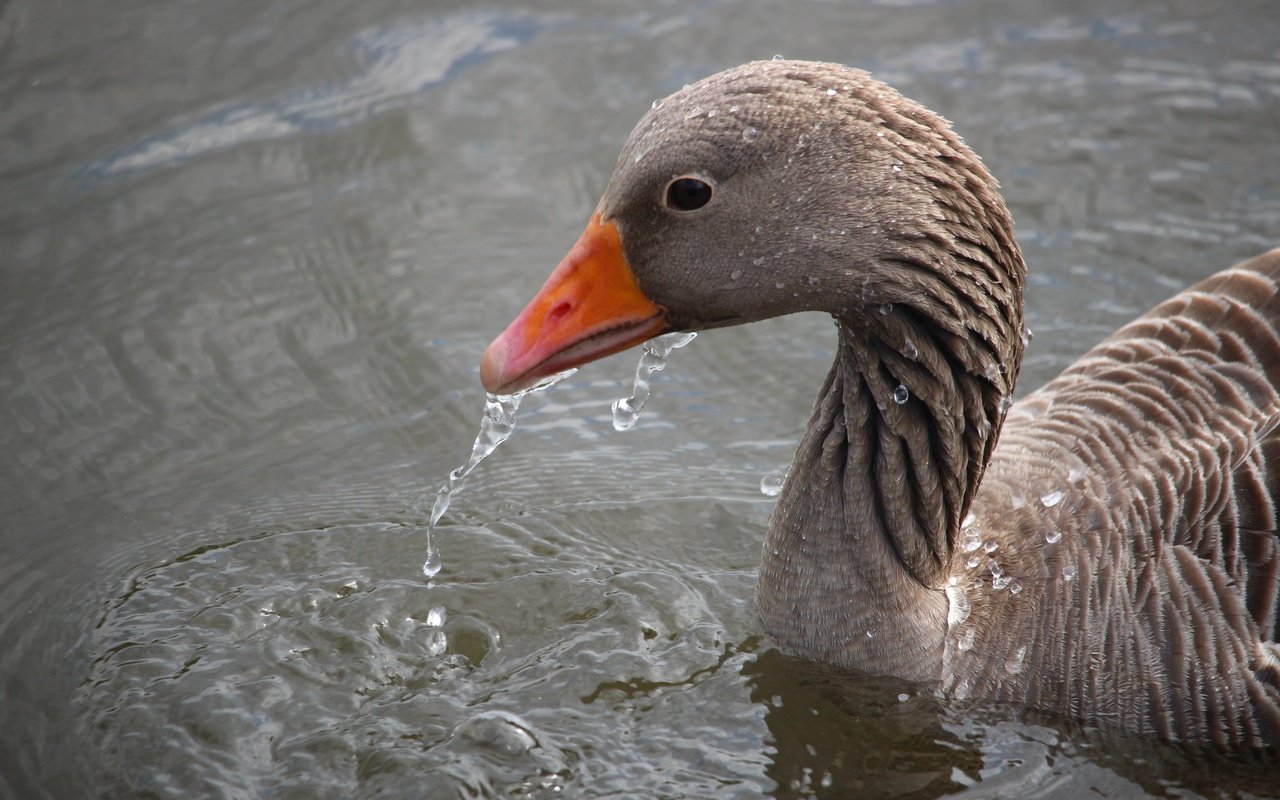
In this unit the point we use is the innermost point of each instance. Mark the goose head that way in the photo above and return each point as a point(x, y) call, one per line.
point(774, 188)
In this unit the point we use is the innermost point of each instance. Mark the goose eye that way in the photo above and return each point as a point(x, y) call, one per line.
point(688, 194)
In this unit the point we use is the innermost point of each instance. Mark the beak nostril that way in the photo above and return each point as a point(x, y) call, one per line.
point(559, 310)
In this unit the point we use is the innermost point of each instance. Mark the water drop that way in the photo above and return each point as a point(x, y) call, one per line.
point(757, 261)
point(1026, 335)
point(432, 566)
point(968, 521)
point(653, 358)
point(737, 273)
point(694, 112)
point(910, 350)
point(1017, 500)
point(903, 697)
point(750, 134)
point(1052, 536)
point(771, 483)
point(973, 561)
point(991, 547)
point(971, 542)
point(779, 57)
point(901, 395)
point(1006, 403)
point(1051, 499)
point(435, 617)
point(1014, 665)
point(735, 108)
point(886, 309)
point(1068, 572)
point(1077, 473)
point(965, 642)
point(957, 606)
point(871, 633)
point(897, 168)
point(1015, 587)
point(831, 93)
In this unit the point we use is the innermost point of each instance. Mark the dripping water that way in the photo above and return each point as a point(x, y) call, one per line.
point(495, 427)
point(627, 410)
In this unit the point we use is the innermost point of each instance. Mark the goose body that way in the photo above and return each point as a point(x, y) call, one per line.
point(1115, 558)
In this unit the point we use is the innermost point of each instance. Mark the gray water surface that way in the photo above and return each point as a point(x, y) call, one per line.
point(250, 254)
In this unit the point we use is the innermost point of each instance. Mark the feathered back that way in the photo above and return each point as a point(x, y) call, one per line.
point(1134, 501)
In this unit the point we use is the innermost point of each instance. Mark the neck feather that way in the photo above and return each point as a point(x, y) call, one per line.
point(856, 557)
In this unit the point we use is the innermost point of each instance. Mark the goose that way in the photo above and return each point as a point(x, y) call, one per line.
point(1114, 559)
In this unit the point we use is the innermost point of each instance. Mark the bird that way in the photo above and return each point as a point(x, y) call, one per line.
point(1104, 548)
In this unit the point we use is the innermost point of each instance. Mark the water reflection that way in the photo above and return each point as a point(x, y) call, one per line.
point(837, 734)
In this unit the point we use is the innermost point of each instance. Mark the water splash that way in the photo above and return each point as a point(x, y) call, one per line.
point(627, 410)
point(437, 639)
point(495, 427)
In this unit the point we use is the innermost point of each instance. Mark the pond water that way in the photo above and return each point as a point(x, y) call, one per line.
point(251, 254)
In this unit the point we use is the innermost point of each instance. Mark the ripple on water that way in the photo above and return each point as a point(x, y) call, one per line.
point(225, 669)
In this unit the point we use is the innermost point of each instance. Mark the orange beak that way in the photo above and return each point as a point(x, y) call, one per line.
point(589, 308)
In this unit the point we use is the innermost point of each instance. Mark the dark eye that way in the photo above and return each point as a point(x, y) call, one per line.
point(688, 194)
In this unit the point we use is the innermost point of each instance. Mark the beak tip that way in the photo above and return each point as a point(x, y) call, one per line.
point(491, 366)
